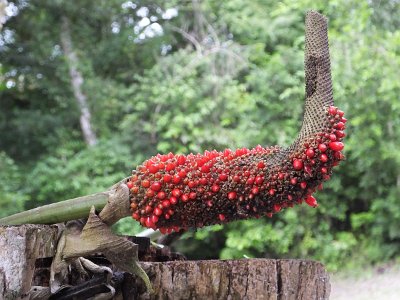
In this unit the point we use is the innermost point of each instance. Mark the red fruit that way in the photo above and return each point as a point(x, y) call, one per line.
point(277, 208)
point(192, 195)
point(181, 159)
point(340, 126)
point(236, 178)
point(223, 177)
point(336, 146)
point(153, 169)
point(176, 179)
point(166, 203)
point(154, 219)
point(332, 137)
point(310, 153)
point(307, 169)
point(322, 147)
point(156, 186)
point(185, 197)
point(293, 180)
point(215, 188)
point(167, 178)
point(261, 165)
point(303, 185)
point(250, 181)
point(323, 158)
point(167, 216)
point(150, 193)
point(205, 169)
point(232, 195)
point(157, 211)
point(129, 184)
point(161, 195)
point(340, 113)
point(149, 223)
point(173, 200)
point(136, 216)
point(332, 110)
point(343, 119)
point(281, 176)
point(311, 201)
point(145, 183)
point(259, 180)
point(170, 167)
point(221, 217)
point(191, 184)
point(255, 190)
point(324, 170)
point(271, 192)
point(340, 134)
point(182, 173)
point(176, 193)
point(297, 164)
point(148, 209)
point(203, 181)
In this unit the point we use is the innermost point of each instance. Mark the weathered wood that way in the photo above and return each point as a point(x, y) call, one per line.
point(22, 246)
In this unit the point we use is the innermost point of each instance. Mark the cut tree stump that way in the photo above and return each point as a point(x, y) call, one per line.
point(26, 252)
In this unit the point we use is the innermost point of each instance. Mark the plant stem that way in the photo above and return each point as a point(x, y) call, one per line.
point(71, 209)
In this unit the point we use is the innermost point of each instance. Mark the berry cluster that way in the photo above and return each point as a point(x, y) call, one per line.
point(173, 192)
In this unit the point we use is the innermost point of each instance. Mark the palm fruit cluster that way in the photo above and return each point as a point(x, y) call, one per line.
point(174, 192)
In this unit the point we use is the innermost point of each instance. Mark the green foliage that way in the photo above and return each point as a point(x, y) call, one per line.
point(219, 74)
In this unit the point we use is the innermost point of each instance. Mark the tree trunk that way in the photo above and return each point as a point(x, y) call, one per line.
point(26, 252)
point(77, 82)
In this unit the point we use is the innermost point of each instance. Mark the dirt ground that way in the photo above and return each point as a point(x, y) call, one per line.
point(381, 283)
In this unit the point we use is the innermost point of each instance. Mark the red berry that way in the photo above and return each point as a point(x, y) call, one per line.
point(181, 159)
point(336, 146)
point(277, 208)
point(324, 170)
point(192, 195)
point(203, 181)
point(167, 178)
point(157, 211)
point(173, 200)
point(332, 110)
point(297, 164)
point(182, 173)
point(236, 178)
point(221, 217)
point(154, 219)
point(340, 126)
point(271, 192)
point(185, 197)
point(176, 193)
point(166, 203)
point(161, 195)
point(261, 165)
point(293, 180)
point(311, 201)
point(255, 190)
point(323, 158)
point(303, 185)
point(223, 177)
point(332, 137)
point(322, 147)
point(153, 169)
point(129, 184)
point(310, 153)
point(156, 186)
point(215, 188)
point(170, 167)
point(145, 183)
point(259, 180)
point(232, 195)
point(176, 179)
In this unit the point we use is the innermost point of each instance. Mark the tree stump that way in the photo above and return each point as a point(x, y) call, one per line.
point(25, 251)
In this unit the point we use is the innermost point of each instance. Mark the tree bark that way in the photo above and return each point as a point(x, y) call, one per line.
point(26, 252)
point(77, 82)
